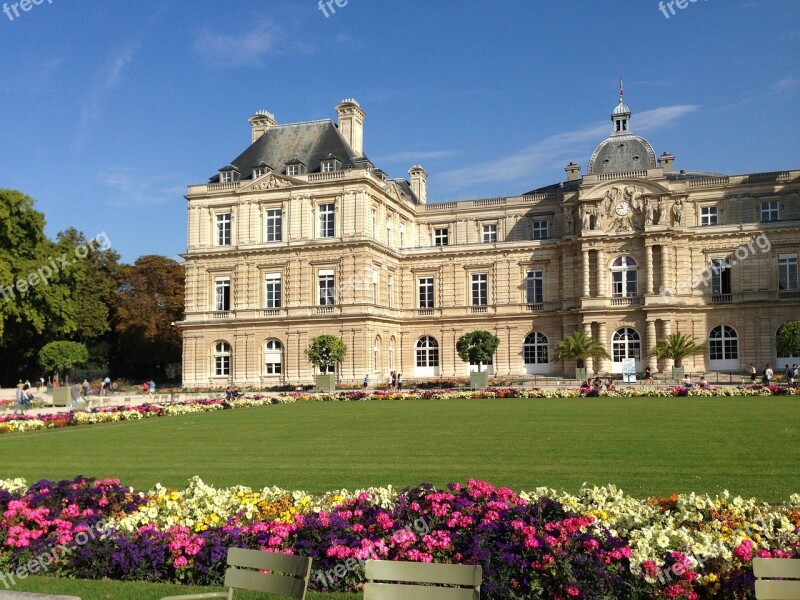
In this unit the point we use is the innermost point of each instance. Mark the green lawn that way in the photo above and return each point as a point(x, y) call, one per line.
point(652, 446)
point(127, 590)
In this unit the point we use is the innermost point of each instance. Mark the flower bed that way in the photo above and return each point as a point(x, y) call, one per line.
point(597, 544)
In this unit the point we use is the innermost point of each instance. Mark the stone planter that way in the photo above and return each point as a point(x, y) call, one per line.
point(580, 374)
point(478, 381)
point(325, 383)
point(677, 373)
point(62, 396)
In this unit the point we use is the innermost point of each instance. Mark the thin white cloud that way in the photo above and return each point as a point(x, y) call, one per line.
point(557, 150)
point(413, 156)
point(106, 80)
point(787, 83)
point(248, 48)
point(128, 188)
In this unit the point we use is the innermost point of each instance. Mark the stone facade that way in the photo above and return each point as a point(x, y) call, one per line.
point(326, 243)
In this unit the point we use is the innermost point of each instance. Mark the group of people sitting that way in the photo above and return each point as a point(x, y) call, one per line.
point(597, 384)
point(688, 383)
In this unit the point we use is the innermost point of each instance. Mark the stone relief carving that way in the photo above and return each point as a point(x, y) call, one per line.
point(270, 182)
point(677, 211)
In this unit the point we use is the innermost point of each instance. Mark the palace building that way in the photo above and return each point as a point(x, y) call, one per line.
point(302, 235)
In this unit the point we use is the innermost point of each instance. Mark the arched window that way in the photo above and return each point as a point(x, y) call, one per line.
point(222, 359)
point(427, 352)
point(723, 343)
point(624, 277)
point(273, 357)
point(391, 353)
point(626, 343)
point(534, 349)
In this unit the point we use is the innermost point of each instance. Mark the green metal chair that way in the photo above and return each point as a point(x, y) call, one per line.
point(777, 578)
point(396, 580)
point(288, 576)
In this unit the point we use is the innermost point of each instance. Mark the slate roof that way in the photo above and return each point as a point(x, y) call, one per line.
point(309, 142)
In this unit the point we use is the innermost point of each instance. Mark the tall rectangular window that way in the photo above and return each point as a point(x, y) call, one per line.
point(402, 235)
point(534, 287)
point(390, 290)
point(272, 291)
point(787, 271)
point(375, 281)
point(540, 230)
point(720, 276)
point(224, 229)
point(769, 211)
point(374, 223)
point(326, 288)
point(490, 233)
point(326, 220)
point(274, 225)
point(441, 236)
point(388, 232)
point(708, 215)
point(222, 293)
point(426, 292)
point(480, 289)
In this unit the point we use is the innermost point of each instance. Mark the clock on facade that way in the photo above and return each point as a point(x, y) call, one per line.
point(623, 208)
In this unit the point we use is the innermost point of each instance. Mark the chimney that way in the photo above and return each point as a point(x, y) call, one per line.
point(666, 160)
point(260, 122)
point(351, 124)
point(573, 171)
point(419, 183)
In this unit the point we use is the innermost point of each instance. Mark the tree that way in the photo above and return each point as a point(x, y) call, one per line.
point(677, 346)
point(326, 351)
point(580, 347)
point(61, 357)
point(477, 347)
point(788, 342)
point(148, 301)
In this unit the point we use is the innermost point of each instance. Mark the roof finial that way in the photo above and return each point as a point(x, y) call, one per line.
point(621, 89)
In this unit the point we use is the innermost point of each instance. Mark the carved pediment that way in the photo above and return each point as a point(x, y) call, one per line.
point(271, 181)
point(394, 192)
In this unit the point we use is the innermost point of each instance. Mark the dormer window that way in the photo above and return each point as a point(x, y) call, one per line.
point(229, 174)
point(295, 167)
point(261, 169)
point(329, 166)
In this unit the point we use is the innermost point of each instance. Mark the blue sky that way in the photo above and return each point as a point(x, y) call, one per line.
point(110, 109)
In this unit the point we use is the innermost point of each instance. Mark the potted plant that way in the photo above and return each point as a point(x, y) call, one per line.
point(477, 347)
point(676, 347)
point(580, 346)
point(324, 352)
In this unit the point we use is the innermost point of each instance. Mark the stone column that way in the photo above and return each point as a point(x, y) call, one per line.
point(665, 267)
point(648, 252)
point(587, 329)
point(650, 344)
point(602, 283)
point(602, 334)
point(669, 363)
point(586, 272)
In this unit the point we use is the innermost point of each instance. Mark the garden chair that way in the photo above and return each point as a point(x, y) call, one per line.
point(396, 580)
point(287, 575)
point(777, 578)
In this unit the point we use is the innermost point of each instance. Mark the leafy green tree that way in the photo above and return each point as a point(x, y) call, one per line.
point(326, 351)
point(62, 357)
point(477, 347)
point(788, 342)
point(148, 301)
point(580, 347)
point(677, 346)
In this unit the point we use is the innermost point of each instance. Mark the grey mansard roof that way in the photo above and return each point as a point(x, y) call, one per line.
point(309, 143)
point(622, 153)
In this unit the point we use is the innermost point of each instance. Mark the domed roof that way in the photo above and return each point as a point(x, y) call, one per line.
point(622, 151)
point(621, 109)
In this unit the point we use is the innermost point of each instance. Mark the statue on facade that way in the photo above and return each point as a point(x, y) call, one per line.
point(662, 211)
point(598, 218)
point(569, 220)
point(633, 195)
point(586, 217)
point(677, 210)
point(649, 211)
point(609, 200)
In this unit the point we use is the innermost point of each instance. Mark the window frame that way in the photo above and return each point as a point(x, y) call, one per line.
point(624, 277)
point(329, 287)
point(479, 289)
point(429, 295)
point(221, 355)
point(537, 348)
point(489, 231)
point(540, 229)
point(709, 216)
point(787, 262)
point(441, 236)
point(772, 211)
point(273, 368)
point(273, 225)
point(327, 220)
point(223, 297)
point(223, 229)
point(721, 280)
point(535, 277)
point(273, 298)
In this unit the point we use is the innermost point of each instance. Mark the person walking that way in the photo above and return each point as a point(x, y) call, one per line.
point(399, 382)
point(75, 393)
point(366, 381)
point(20, 408)
point(85, 387)
point(152, 388)
point(753, 372)
point(768, 374)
